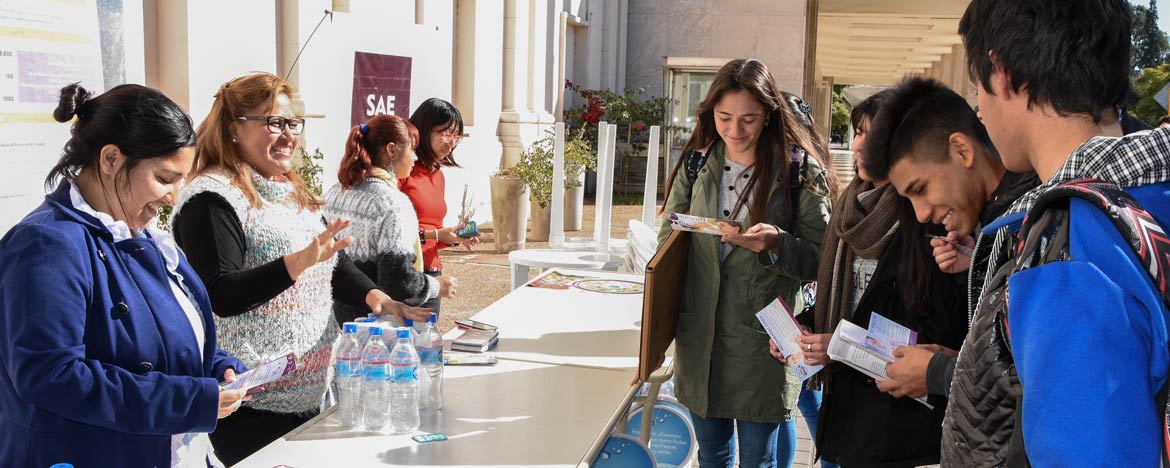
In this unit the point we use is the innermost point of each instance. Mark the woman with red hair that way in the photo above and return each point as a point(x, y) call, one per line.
point(386, 247)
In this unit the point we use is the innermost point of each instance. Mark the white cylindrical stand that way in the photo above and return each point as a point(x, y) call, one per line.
point(556, 228)
point(602, 170)
point(650, 193)
point(605, 196)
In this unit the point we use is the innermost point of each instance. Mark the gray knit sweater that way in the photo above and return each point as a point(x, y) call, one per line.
point(384, 228)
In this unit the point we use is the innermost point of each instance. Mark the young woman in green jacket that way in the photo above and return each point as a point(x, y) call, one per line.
point(754, 157)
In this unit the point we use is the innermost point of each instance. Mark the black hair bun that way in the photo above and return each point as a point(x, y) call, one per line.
point(73, 97)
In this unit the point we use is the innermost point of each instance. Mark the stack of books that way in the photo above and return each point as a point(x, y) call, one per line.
point(476, 341)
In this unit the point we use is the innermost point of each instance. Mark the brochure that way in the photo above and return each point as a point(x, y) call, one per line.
point(685, 222)
point(849, 345)
point(268, 372)
point(885, 335)
point(781, 325)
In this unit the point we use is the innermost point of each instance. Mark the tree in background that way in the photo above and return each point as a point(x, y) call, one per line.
point(1146, 86)
point(1150, 45)
point(839, 125)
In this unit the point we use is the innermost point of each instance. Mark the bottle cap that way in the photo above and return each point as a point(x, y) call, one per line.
point(409, 322)
point(349, 327)
point(433, 318)
point(375, 331)
point(403, 333)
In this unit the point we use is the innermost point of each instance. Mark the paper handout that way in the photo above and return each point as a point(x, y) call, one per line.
point(269, 371)
point(686, 222)
point(850, 346)
point(781, 325)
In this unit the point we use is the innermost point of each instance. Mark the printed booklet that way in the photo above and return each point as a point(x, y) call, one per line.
point(865, 351)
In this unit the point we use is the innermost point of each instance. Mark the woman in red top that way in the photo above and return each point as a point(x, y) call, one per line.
point(440, 127)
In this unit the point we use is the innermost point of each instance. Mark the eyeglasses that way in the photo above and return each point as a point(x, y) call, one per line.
point(276, 124)
point(451, 136)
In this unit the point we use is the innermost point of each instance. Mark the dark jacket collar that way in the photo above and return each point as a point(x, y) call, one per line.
point(59, 201)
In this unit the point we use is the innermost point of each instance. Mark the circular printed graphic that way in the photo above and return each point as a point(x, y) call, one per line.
point(610, 286)
point(623, 451)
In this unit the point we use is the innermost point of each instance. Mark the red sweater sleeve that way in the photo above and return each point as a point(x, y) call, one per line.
point(426, 190)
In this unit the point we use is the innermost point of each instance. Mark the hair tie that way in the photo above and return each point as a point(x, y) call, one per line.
point(364, 129)
point(804, 107)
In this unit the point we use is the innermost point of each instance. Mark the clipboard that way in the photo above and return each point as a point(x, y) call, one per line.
point(666, 276)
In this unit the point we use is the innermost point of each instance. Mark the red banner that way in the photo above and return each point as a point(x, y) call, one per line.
point(381, 85)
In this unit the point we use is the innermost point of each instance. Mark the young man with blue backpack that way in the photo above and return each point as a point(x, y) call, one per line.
point(1067, 357)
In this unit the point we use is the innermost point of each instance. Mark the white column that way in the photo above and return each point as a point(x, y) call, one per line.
point(515, 83)
point(556, 228)
point(650, 192)
point(602, 170)
point(604, 207)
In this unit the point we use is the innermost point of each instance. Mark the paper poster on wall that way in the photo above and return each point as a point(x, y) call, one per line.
point(45, 45)
point(381, 85)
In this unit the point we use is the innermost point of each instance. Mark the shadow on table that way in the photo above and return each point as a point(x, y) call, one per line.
point(606, 343)
point(514, 426)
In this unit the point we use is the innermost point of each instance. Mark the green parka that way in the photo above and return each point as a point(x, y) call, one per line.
point(722, 366)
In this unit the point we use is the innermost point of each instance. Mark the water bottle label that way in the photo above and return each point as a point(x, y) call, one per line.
point(430, 355)
point(348, 366)
point(374, 370)
point(404, 372)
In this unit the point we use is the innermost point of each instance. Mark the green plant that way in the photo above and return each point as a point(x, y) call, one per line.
point(308, 167)
point(1146, 86)
point(535, 168)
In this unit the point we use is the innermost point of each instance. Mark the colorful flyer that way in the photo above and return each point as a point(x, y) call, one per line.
point(685, 222)
point(781, 325)
point(272, 370)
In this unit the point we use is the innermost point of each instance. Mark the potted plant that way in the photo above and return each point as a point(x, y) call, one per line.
point(535, 170)
point(509, 210)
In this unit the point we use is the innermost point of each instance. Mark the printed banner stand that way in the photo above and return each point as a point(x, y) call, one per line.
point(623, 451)
point(672, 435)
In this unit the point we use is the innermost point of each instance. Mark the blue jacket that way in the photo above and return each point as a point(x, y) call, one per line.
point(98, 362)
point(1089, 338)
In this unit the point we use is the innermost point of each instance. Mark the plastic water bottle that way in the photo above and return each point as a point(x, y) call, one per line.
point(375, 382)
point(404, 384)
point(430, 357)
point(348, 356)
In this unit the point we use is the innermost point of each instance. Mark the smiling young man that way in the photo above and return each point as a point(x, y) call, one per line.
point(955, 179)
point(1067, 357)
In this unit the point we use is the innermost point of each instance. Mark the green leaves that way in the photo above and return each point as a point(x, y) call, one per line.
point(535, 168)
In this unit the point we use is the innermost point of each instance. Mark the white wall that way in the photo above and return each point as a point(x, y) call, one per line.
point(772, 31)
point(32, 147)
point(189, 48)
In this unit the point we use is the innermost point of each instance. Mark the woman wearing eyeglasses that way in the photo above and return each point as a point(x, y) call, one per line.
point(440, 129)
point(255, 235)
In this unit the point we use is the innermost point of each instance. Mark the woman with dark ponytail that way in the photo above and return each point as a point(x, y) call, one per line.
point(108, 352)
point(386, 247)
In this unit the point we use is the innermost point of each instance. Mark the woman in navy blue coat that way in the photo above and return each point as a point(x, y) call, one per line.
point(107, 344)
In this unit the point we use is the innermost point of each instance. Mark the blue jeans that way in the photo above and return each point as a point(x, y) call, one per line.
point(809, 405)
point(717, 447)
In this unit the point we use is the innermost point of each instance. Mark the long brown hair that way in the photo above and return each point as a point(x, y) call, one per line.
point(367, 142)
point(783, 125)
point(214, 148)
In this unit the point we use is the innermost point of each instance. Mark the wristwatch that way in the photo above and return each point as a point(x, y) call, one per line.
point(422, 236)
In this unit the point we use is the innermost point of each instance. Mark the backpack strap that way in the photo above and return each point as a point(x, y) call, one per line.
point(1141, 231)
point(694, 161)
